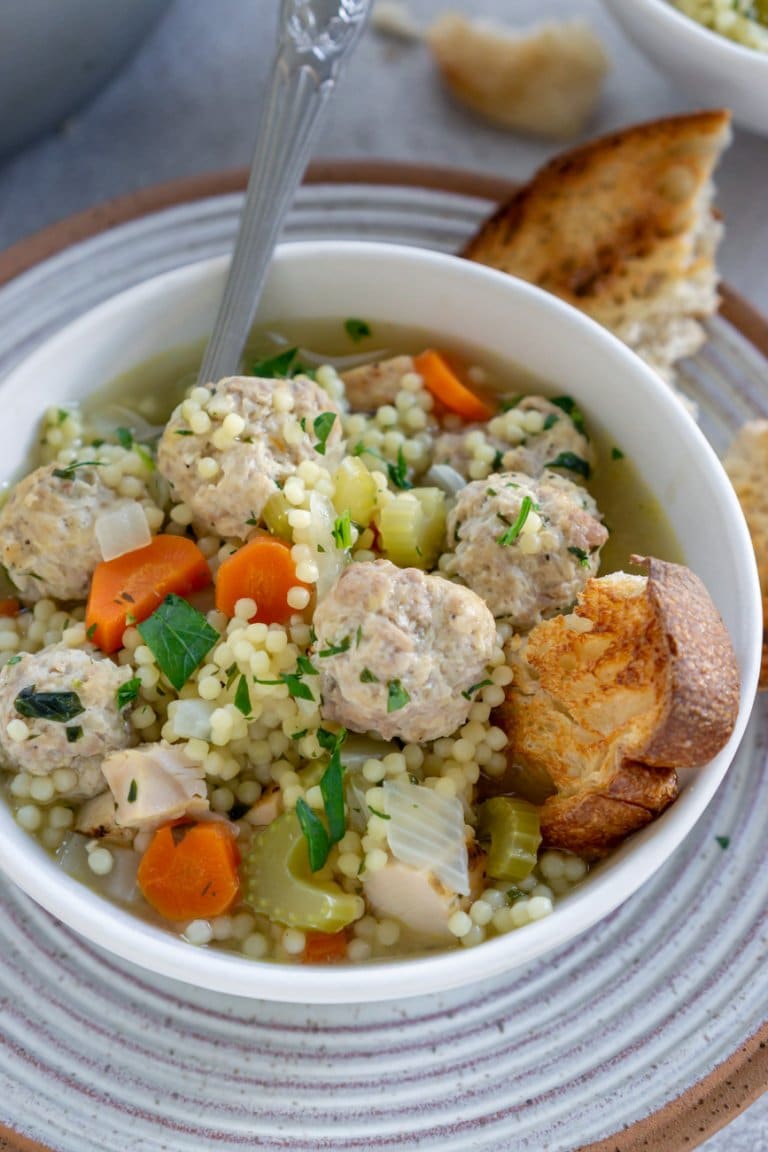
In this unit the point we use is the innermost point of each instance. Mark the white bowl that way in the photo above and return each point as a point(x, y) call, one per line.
point(714, 71)
point(448, 297)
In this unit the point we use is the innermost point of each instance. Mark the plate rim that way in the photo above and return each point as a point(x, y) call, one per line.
point(707, 1105)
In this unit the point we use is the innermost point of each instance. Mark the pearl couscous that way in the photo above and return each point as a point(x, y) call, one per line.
point(252, 658)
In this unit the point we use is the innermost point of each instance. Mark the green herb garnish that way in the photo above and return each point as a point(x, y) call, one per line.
point(381, 815)
point(723, 841)
point(571, 462)
point(91, 632)
point(243, 697)
point(616, 453)
point(128, 692)
point(13, 660)
point(296, 687)
point(277, 367)
point(332, 791)
point(514, 529)
point(179, 637)
point(68, 472)
point(514, 894)
point(397, 697)
point(367, 677)
point(322, 425)
point(305, 667)
point(124, 438)
point(58, 706)
point(357, 329)
point(550, 421)
point(398, 473)
point(335, 649)
point(476, 688)
point(581, 556)
point(133, 792)
point(342, 531)
point(74, 733)
point(318, 844)
point(569, 406)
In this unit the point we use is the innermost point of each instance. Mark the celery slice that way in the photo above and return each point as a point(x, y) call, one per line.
point(513, 827)
point(281, 886)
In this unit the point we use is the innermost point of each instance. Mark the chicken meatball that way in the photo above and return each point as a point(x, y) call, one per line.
point(534, 435)
point(226, 456)
point(67, 701)
point(397, 648)
point(527, 546)
point(47, 531)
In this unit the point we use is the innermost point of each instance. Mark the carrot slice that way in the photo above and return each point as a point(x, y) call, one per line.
point(440, 379)
point(262, 570)
point(10, 606)
point(190, 871)
point(324, 947)
point(135, 584)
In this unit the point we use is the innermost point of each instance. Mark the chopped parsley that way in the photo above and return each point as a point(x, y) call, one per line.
point(13, 660)
point(299, 735)
point(252, 519)
point(723, 841)
point(571, 462)
point(318, 844)
point(581, 556)
point(74, 733)
point(332, 791)
point(498, 460)
point(58, 706)
point(128, 692)
point(616, 453)
point(336, 649)
point(293, 682)
point(514, 529)
point(133, 792)
point(179, 637)
point(514, 894)
point(397, 697)
point(243, 697)
point(358, 635)
point(305, 667)
point(569, 406)
point(550, 421)
point(322, 425)
point(68, 472)
point(381, 815)
point(184, 432)
point(319, 840)
point(398, 472)
point(476, 688)
point(367, 677)
point(357, 329)
point(91, 632)
point(277, 367)
point(124, 438)
point(342, 531)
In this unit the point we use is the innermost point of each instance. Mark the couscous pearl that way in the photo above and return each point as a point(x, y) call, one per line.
point(502, 920)
point(463, 751)
point(374, 771)
point(29, 817)
point(293, 941)
point(307, 573)
point(255, 945)
point(538, 907)
point(221, 928)
point(475, 936)
point(197, 750)
point(358, 951)
point(42, 789)
point(59, 817)
point(199, 422)
point(64, 779)
point(143, 655)
point(52, 838)
point(527, 884)
point(350, 842)
point(242, 925)
point(100, 861)
point(9, 642)
point(248, 792)
point(198, 932)
point(292, 795)
point(222, 799)
point(207, 468)
point(375, 860)
point(245, 608)
point(314, 797)
point(542, 890)
point(348, 864)
point(494, 898)
point(19, 786)
point(552, 866)
point(518, 914)
point(459, 924)
point(17, 731)
point(574, 868)
point(387, 932)
point(481, 912)
point(298, 597)
point(365, 928)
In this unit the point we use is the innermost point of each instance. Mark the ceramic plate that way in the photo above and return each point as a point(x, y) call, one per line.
point(648, 1032)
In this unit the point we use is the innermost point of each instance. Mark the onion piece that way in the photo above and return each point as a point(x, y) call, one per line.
point(191, 719)
point(426, 830)
point(445, 478)
point(332, 560)
point(123, 529)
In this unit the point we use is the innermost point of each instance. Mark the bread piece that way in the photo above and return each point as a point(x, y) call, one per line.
point(545, 80)
point(607, 702)
point(746, 462)
point(623, 228)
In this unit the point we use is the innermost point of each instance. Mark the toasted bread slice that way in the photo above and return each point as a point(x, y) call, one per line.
point(545, 80)
point(607, 702)
point(746, 462)
point(623, 228)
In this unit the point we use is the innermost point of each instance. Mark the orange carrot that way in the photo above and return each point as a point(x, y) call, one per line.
point(190, 871)
point(135, 584)
point(262, 570)
point(10, 606)
point(324, 947)
point(440, 379)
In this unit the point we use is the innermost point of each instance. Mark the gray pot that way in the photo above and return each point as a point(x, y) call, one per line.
point(56, 54)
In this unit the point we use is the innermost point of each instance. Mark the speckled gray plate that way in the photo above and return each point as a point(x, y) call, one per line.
point(648, 1032)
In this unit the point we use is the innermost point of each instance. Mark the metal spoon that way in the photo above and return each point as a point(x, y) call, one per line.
point(316, 38)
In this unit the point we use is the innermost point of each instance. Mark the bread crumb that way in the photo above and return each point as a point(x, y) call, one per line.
point(545, 80)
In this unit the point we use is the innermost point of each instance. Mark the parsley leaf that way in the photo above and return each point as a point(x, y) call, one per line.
point(318, 843)
point(398, 473)
point(128, 692)
point(616, 453)
point(74, 733)
point(342, 530)
point(124, 438)
point(243, 697)
point(322, 425)
point(133, 792)
point(68, 472)
point(367, 677)
point(475, 688)
point(397, 697)
point(335, 649)
point(514, 529)
point(569, 406)
point(357, 329)
point(572, 462)
point(581, 556)
point(277, 367)
point(332, 791)
point(58, 706)
point(179, 638)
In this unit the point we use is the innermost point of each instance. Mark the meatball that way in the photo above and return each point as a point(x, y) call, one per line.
point(47, 531)
point(397, 648)
point(371, 386)
point(527, 546)
point(68, 701)
point(527, 438)
point(226, 458)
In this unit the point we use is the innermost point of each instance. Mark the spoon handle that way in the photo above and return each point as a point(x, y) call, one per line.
point(316, 38)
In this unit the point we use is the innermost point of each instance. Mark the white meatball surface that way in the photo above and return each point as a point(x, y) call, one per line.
point(254, 434)
point(526, 545)
point(396, 648)
point(78, 740)
point(48, 542)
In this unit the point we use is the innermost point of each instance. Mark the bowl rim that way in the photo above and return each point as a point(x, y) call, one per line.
point(712, 43)
point(165, 954)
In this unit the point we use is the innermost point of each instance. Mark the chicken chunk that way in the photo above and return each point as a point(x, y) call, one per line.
point(96, 820)
point(47, 531)
point(397, 648)
point(533, 435)
point(67, 699)
point(527, 546)
point(153, 784)
point(414, 898)
point(256, 433)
